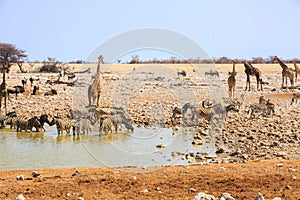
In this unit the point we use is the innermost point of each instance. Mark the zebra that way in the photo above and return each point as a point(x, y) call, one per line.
point(11, 119)
point(208, 112)
point(237, 101)
point(107, 124)
point(212, 73)
point(262, 100)
point(27, 124)
point(62, 125)
point(296, 96)
point(182, 111)
point(265, 109)
point(83, 124)
point(44, 119)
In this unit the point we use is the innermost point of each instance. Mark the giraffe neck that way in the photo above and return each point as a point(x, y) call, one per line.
point(233, 67)
point(283, 66)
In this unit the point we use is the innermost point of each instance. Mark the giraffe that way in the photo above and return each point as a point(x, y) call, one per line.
point(95, 88)
point(297, 70)
point(286, 73)
point(3, 92)
point(232, 81)
point(252, 71)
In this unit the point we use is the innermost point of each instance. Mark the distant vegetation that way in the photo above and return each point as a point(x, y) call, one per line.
point(223, 60)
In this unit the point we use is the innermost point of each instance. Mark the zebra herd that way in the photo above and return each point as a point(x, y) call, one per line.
point(209, 110)
point(79, 124)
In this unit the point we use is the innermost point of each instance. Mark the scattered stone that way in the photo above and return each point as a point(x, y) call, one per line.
point(288, 187)
point(203, 196)
point(279, 165)
point(143, 191)
point(222, 168)
point(294, 177)
point(158, 189)
point(35, 174)
point(277, 198)
point(133, 178)
point(220, 150)
point(292, 170)
point(226, 196)
point(259, 196)
point(68, 195)
point(20, 197)
point(76, 173)
point(20, 178)
point(191, 190)
point(160, 146)
point(80, 198)
point(234, 153)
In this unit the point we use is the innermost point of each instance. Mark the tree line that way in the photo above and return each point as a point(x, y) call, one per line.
point(222, 60)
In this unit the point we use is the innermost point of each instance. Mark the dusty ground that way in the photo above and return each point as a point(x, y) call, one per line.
point(243, 181)
point(249, 140)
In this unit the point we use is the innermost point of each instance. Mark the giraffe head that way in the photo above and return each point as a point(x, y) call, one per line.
point(275, 58)
point(234, 61)
point(100, 59)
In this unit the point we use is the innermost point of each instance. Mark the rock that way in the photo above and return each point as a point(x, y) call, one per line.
point(80, 198)
point(288, 187)
point(20, 178)
point(277, 198)
point(281, 154)
point(226, 196)
point(203, 196)
point(133, 178)
point(160, 146)
point(279, 165)
point(294, 177)
point(20, 197)
point(234, 153)
point(143, 191)
point(197, 142)
point(291, 170)
point(75, 173)
point(192, 190)
point(35, 174)
point(259, 196)
point(220, 150)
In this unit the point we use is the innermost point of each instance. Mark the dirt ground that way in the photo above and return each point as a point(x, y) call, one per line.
point(272, 178)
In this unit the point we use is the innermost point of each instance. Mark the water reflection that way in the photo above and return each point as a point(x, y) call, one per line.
point(48, 150)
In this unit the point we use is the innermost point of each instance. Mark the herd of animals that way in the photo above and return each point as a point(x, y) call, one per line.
point(210, 109)
point(108, 121)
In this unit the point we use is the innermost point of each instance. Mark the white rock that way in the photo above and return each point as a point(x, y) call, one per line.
point(259, 196)
point(143, 191)
point(20, 197)
point(279, 165)
point(291, 170)
point(203, 196)
point(226, 196)
point(277, 198)
point(20, 178)
point(192, 190)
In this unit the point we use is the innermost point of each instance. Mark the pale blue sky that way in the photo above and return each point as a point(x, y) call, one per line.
point(70, 30)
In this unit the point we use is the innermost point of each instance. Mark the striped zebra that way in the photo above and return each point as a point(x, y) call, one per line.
point(62, 125)
point(27, 124)
point(296, 96)
point(264, 109)
point(107, 124)
point(209, 111)
point(84, 125)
